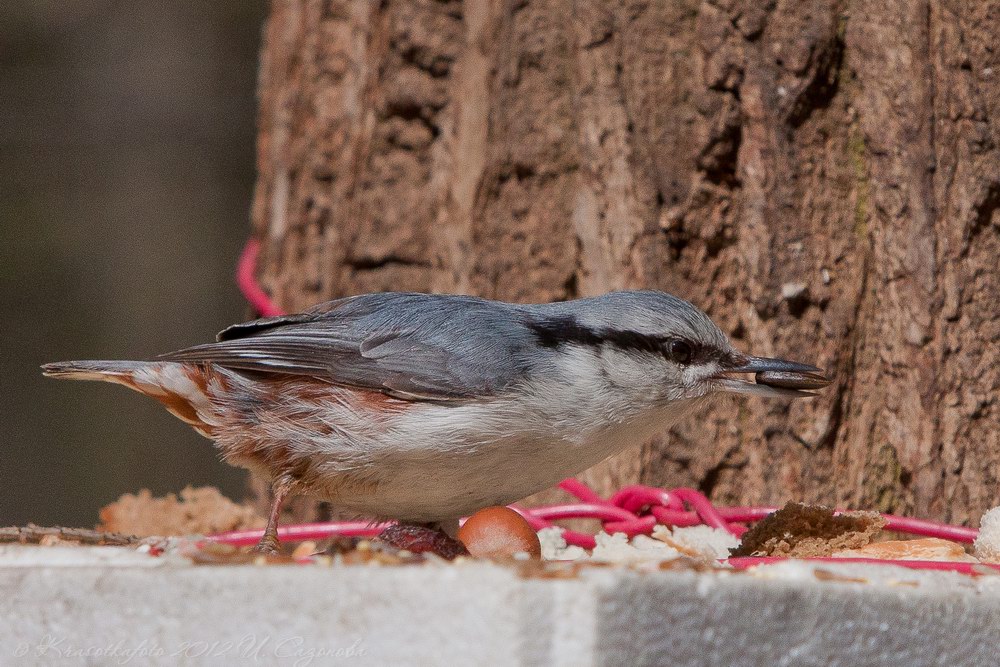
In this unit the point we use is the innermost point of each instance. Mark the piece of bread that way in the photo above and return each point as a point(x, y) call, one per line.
point(198, 511)
point(927, 548)
point(809, 531)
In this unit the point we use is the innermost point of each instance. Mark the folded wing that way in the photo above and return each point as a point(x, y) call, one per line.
point(411, 346)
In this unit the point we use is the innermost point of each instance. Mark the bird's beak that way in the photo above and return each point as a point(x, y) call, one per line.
point(773, 377)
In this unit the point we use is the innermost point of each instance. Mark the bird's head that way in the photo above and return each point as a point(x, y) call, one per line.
point(658, 348)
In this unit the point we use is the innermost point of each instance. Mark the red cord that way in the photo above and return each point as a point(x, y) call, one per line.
point(246, 279)
point(633, 510)
point(304, 531)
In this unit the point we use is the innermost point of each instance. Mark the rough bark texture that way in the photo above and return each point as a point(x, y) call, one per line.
point(822, 176)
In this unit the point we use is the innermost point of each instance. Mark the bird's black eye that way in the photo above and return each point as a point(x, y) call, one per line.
point(680, 351)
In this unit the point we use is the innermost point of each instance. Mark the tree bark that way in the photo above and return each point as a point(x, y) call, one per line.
point(821, 176)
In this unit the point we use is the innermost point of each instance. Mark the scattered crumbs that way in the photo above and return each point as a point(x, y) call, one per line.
point(987, 544)
point(304, 550)
point(689, 565)
point(55, 535)
point(699, 542)
point(618, 549)
point(542, 569)
point(827, 575)
point(554, 546)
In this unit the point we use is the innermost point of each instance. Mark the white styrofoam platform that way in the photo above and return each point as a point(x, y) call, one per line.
point(112, 606)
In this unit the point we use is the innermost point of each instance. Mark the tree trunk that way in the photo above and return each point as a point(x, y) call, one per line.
point(822, 177)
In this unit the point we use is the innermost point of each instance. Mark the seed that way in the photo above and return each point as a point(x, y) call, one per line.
point(791, 380)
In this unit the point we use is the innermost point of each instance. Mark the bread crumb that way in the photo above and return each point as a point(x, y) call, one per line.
point(199, 511)
point(928, 548)
point(987, 544)
point(617, 549)
point(701, 542)
point(809, 531)
point(827, 575)
point(304, 550)
point(554, 546)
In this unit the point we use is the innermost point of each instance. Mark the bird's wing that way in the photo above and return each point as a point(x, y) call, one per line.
point(412, 346)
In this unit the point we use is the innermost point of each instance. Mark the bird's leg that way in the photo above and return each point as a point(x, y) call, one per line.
point(269, 544)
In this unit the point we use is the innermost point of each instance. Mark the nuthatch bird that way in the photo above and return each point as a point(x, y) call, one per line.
point(424, 408)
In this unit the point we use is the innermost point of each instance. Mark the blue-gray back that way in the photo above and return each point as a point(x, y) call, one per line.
point(440, 347)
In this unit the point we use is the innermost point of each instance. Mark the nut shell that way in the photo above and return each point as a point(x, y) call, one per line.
point(791, 380)
point(499, 532)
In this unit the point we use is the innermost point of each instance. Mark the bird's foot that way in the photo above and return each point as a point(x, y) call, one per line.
point(422, 539)
point(268, 546)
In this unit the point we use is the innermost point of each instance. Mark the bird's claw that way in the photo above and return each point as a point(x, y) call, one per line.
point(268, 546)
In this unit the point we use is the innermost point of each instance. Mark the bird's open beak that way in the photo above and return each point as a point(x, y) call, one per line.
point(773, 377)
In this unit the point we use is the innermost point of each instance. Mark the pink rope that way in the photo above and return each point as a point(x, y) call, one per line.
point(246, 280)
point(573, 537)
point(634, 498)
point(582, 491)
point(633, 510)
point(304, 531)
point(902, 524)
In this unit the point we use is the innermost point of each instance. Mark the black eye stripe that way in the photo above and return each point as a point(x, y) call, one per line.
point(566, 330)
point(559, 331)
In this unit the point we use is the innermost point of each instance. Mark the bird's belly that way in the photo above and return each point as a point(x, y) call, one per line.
point(431, 462)
point(432, 487)
point(447, 473)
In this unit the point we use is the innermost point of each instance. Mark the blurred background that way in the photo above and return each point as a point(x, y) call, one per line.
point(126, 172)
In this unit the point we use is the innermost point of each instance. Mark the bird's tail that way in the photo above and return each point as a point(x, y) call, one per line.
point(182, 388)
point(107, 371)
